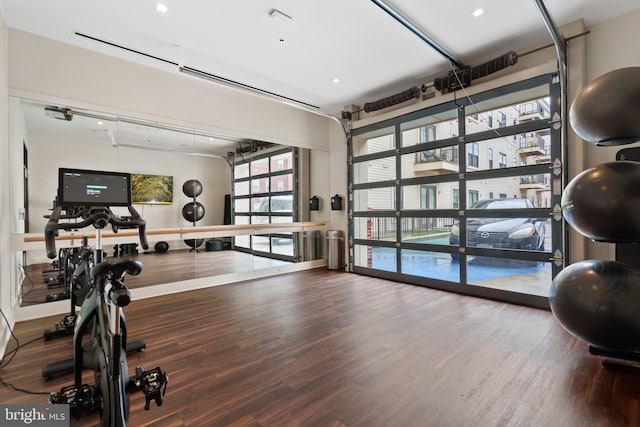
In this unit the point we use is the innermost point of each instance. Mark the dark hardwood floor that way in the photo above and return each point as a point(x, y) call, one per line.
point(168, 267)
point(323, 348)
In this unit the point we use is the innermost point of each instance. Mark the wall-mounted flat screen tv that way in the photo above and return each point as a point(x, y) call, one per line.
point(151, 189)
point(80, 187)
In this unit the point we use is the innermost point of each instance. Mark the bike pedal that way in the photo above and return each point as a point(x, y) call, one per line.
point(80, 399)
point(153, 384)
point(68, 322)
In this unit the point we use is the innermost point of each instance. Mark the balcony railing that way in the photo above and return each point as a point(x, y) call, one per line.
point(533, 146)
point(534, 182)
point(532, 141)
point(385, 228)
point(438, 155)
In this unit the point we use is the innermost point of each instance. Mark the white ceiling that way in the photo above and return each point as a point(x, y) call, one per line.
point(354, 40)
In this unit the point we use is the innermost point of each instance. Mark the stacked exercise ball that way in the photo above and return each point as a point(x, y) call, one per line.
point(603, 203)
point(606, 111)
point(193, 211)
point(599, 301)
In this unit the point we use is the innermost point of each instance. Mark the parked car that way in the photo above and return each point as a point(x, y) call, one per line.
point(502, 233)
point(278, 204)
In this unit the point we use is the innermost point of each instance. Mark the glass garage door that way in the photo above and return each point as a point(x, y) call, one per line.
point(264, 192)
point(460, 196)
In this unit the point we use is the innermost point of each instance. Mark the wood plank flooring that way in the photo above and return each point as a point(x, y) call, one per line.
point(158, 268)
point(324, 348)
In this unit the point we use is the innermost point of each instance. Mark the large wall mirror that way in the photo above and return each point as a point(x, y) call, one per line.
point(164, 160)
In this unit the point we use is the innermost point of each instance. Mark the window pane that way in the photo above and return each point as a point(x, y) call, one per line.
point(259, 204)
point(259, 219)
point(241, 188)
point(241, 171)
point(526, 149)
point(502, 112)
point(375, 228)
point(536, 189)
point(242, 241)
point(241, 220)
point(436, 265)
point(443, 195)
point(260, 185)
point(432, 231)
point(375, 170)
point(374, 142)
point(437, 161)
point(241, 205)
point(375, 257)
point(282, 245)
point(260, 243)
point(528, 277)
point(281, 183)
point(259, 166)
point(521, 233)
point(282, 162)
point(431, 128)
point(374, 199)
point(282, 204)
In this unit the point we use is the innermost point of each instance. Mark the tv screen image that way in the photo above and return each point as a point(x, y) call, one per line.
point(152, 189)
point(80, 187)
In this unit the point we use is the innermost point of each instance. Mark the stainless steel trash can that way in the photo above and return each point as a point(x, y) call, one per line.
point(335, 250)
point(311, 245)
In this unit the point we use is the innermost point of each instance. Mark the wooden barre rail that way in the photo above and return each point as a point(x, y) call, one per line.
point(214, 228)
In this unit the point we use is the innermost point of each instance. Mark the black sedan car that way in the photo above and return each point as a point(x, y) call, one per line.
point(502, 233)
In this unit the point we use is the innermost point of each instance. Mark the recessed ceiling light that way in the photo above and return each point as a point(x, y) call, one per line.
point(335, 80)
point(477, 12)
point(100, 123)
point(162, 8)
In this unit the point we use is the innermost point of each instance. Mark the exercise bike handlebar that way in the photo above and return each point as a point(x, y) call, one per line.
point(98, 217)
point(117, 268)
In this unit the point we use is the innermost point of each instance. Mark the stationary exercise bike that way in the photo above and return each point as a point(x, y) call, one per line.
point(101, 320)
point(77, 262)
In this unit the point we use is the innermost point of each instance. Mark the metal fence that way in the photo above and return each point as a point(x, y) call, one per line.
point(385, 228)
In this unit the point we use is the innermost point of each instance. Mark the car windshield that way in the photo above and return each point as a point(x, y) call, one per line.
point(501, 204)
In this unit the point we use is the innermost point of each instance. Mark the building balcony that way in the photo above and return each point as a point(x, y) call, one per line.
point(533, 183)
point(533, 150)
point(436, 162)
point(435, 167)
point(529, 116)
point(545, 158)
point(532, 146)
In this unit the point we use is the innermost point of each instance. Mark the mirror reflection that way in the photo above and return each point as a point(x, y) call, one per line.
point(180, 178)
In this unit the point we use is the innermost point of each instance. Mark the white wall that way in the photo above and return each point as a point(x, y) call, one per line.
point(338, 181)
point(47, 154)
point(6, 303)
point(319, 185)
